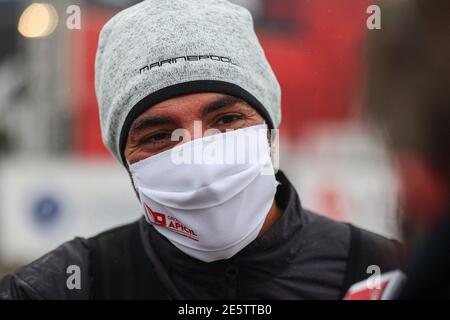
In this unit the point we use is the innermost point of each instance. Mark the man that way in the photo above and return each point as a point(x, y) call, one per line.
point(409, 97)
point(215, 230)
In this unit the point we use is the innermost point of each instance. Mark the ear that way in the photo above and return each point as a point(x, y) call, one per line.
point(423, 191)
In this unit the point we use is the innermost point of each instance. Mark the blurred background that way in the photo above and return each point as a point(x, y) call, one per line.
point(57, 181)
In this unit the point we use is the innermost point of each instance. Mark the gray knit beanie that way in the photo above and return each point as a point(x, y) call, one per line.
point(161, 49)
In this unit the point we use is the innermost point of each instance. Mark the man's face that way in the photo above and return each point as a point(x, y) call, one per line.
point(151, 132)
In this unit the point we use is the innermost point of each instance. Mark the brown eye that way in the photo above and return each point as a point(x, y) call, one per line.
point(228, 119)
point(155, 138)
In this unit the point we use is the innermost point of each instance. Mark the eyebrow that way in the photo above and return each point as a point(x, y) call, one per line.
point(220, 103)
point(150, 122)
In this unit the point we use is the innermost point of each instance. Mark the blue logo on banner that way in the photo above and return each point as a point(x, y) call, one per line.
point(46, 211)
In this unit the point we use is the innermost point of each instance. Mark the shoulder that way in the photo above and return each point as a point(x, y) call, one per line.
point(66, 272)
point(368, 248)
point(371, 246)
point(352, 250)
point(46, 277)
point(332, 234)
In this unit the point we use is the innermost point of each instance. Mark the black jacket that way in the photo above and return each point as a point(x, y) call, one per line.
point(302, 256)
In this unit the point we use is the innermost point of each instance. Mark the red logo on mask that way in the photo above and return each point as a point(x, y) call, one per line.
point(170, 223)
point(156, 217)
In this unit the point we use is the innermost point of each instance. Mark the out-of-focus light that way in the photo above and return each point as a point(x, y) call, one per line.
point(38, 20)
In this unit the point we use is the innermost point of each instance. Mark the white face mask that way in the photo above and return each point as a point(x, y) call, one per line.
point(215, 203)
